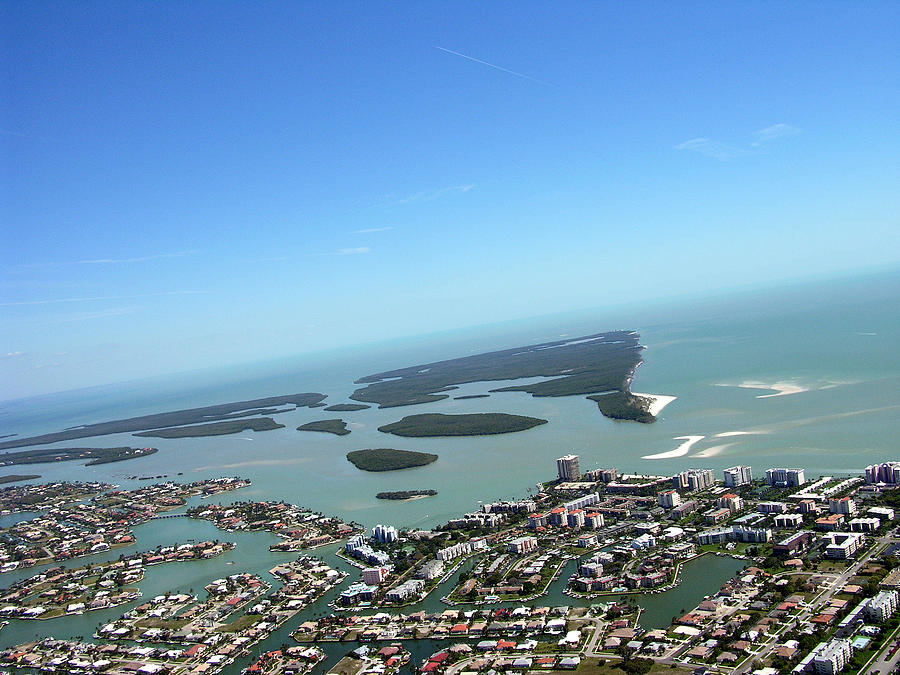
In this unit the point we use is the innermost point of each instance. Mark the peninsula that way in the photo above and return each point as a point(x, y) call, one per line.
point(16, 477)
point(593, 364)
point(389, 459)
point(337, 427)
point(215, 428)
point(95, 455)
point(213, 413)
point(470, 424)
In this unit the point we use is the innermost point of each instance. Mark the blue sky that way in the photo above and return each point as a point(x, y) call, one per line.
point(198, 184)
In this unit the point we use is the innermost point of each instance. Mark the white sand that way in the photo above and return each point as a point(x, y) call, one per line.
point(680, 451)
point(782, 388)
point(729, 434)
point(657, 401)
point(713, 451)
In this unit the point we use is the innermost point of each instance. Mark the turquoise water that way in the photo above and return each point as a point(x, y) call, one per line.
point(833, 343)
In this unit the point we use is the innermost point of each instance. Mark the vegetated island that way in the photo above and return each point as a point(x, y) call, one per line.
point(346, 407)
point(96, 455)
point(388, 459)
point(16, 477)
point(215, 429)
point(592, 364)
point(213, 413)
point(337, 427)
point(623, 405)
point(406, 494)
point(471, 424)
point(468, 396)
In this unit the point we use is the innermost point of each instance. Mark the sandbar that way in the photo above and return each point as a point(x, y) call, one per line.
point(680, 451)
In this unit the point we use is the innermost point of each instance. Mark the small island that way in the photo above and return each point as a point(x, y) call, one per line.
point(388, 459)
point(215, 429)
point(404, 495)
point(468, 396)
point(346, 407)
point(337, 427)
point(473, 424)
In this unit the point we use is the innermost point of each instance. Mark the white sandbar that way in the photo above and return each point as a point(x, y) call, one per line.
point(680, 451)
point(657, 402)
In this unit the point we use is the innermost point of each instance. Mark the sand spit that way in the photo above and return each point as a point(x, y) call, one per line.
point(680, 451)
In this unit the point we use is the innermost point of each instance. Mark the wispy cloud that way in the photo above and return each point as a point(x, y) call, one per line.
point(370, 230)
point(495, 66)
point(353, 251)
point(723, 151)
point(98, 298)
point(775, 131)
point(711, 148)
point(429, 195)
point(143, 258)
point(13, 355)
point(88, 316)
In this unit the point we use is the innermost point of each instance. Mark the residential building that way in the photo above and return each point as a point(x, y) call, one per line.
point(523, 545)
point(771, 507)
point(737, 475)
point(788, 520)
point(864, 524)
point(842, 545)
point(882, 607)
point(668, 499)
point(410, 588)
point(785, 477)
point(844, 505)
point(594, 520)
point(575, 519)
point(886, 472)
point(694, 480)
point(384, 534)
point(882, 512)
point(567, 468)
point(730, 501)
point(374, 575)
point(830, 658)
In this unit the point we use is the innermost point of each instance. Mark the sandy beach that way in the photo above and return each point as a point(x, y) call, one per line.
point(657, 401)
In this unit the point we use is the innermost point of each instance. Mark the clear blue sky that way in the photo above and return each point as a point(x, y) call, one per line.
point(189, 184)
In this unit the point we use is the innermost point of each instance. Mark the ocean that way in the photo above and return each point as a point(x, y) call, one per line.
point(800, 376)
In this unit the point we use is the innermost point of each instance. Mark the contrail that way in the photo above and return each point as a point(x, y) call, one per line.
point(491, 65)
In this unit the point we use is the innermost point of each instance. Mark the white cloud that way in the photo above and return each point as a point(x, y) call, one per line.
point(353, 251)
point(711, 148)
point(13, 355)
point(370, 230)
point(779, 130)
point(99, 298)
point(144, 258)
point(429, 195)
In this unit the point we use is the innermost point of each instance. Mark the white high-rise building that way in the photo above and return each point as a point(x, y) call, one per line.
point(567, 468)
point(785, 477)
point(886, 472)
point(737, 475)
point(384, 534)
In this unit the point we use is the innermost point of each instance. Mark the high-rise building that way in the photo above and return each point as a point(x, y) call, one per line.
point(567, 468)
point(668, 499)
point(737, 475)
point(384, 534)
point(694, 479)
point(886, 472)
point(785, 477)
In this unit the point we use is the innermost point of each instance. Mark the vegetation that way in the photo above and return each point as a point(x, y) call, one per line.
point(213, 413)
point(216, 428)
point(587, 365)
point(96, 455)
point(477, 424)
point(406, 494)
point(468, 396)
point(16, 477)
point(347, 407)
point(388, 459)
point(623, 405)
point(337, 427)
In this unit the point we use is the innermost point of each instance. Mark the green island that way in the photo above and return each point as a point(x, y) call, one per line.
point(405, 494)
point(388, 459)
point(96, 455)
point(16, 477)
point(215, 429)
point(468, 396)
point(592, 364)
point(347, 407)
point(337, 427)
point(213, 413)
point(470, 424)
point(623, 405)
